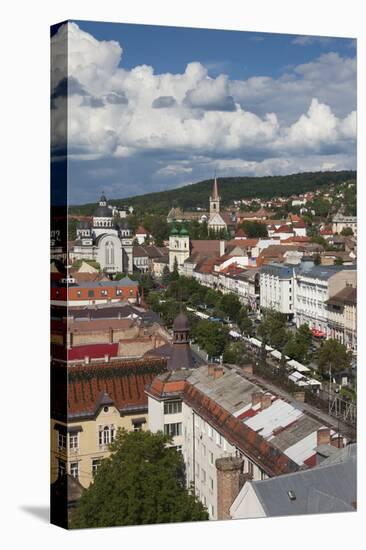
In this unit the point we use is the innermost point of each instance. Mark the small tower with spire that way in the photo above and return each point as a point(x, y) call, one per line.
point(215, 199)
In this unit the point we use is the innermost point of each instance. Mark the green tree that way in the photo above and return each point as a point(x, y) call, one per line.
point(236, 353)
point(212, 298)
point(132, 220)
point(231, 305)
point(142, 482)
point(333, 356)
point(174, 276)
point(273, 329)
point(211, 336)
point(347, 232)
point(245, 323)
point(298, 344)
point(165, 279)
point(254, 229)
point(338, 261)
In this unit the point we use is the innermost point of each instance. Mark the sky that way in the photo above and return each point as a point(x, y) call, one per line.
point(153, 108)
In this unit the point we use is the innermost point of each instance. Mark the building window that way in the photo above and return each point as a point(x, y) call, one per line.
point(74, 469)
point(61, 468)
point(250, 467)
point(106, 435)
point(78, 293)
point(61, 441)
point(218, 439)
point(73, 441)
point(90, 293)
point(210, 432)
point(178, 448)
point(211, 456)
point(173, 429)
point(172, 407)
point(137, 425)
point(203, 449)
point(118, 292)
point(96, 462)
point(211, 484)
point(103, 292)
point(203, 475)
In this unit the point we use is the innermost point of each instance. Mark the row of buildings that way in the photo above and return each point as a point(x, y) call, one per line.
point(234, 434)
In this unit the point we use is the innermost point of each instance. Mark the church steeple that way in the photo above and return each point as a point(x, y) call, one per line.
point(215, 198)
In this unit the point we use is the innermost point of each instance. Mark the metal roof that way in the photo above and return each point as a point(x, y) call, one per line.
point(330, 487)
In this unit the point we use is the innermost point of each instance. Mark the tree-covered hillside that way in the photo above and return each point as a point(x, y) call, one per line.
point(233, 188)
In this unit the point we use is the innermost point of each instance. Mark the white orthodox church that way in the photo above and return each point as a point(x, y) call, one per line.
point(105, 241)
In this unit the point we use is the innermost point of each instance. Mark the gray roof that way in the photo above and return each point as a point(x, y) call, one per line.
point(322, 271)
point(330, 487)
point(279, 270)
point(103, 212)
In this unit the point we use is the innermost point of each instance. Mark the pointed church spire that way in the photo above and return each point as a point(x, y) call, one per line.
point(215, 192)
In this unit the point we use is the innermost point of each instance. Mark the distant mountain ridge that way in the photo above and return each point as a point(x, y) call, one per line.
point(230, 189)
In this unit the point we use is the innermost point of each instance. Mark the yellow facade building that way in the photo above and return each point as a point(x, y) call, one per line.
point(100, 399)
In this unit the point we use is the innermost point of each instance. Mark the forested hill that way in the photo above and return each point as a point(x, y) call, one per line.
point(230, 189)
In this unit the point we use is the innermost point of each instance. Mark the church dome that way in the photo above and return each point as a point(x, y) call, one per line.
point(103, 212)
point(174, 230)
point(181, 322)
point(183, 231)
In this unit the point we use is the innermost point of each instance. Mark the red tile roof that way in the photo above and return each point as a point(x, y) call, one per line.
point(122, 383)
point(296, 239)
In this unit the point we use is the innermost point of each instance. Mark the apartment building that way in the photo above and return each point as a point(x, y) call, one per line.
point(216, 415)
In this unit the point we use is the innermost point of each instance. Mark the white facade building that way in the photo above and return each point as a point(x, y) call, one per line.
point(314, 285)
point(104, 241)
point(277, 288)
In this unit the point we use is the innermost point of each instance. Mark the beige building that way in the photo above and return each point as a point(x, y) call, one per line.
point(99, 401)
point(342, 316)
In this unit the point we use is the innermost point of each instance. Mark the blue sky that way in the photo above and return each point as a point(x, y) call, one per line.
point(153, 108)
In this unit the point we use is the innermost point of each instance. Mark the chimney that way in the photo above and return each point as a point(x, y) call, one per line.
point(337, 442)
point(86, 359)
point(222, 248)
point(248, 369)
point(106, 357)
point(256, 397)
point(323, 436)
point(266, 401)
point(210, 369)
point(111, 335)
point(228, 483)
point(218, 372)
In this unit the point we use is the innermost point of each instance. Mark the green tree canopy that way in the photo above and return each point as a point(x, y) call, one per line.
point(254, 229)
point(347, 231)
point(211, 336)
point(231, 305)
point(142, 482)
point(236, 353)
point(298, 345)
point(273, 329)
point(334, 356)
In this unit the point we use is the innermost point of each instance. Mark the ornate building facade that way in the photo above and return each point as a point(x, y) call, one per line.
point(105, 241)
